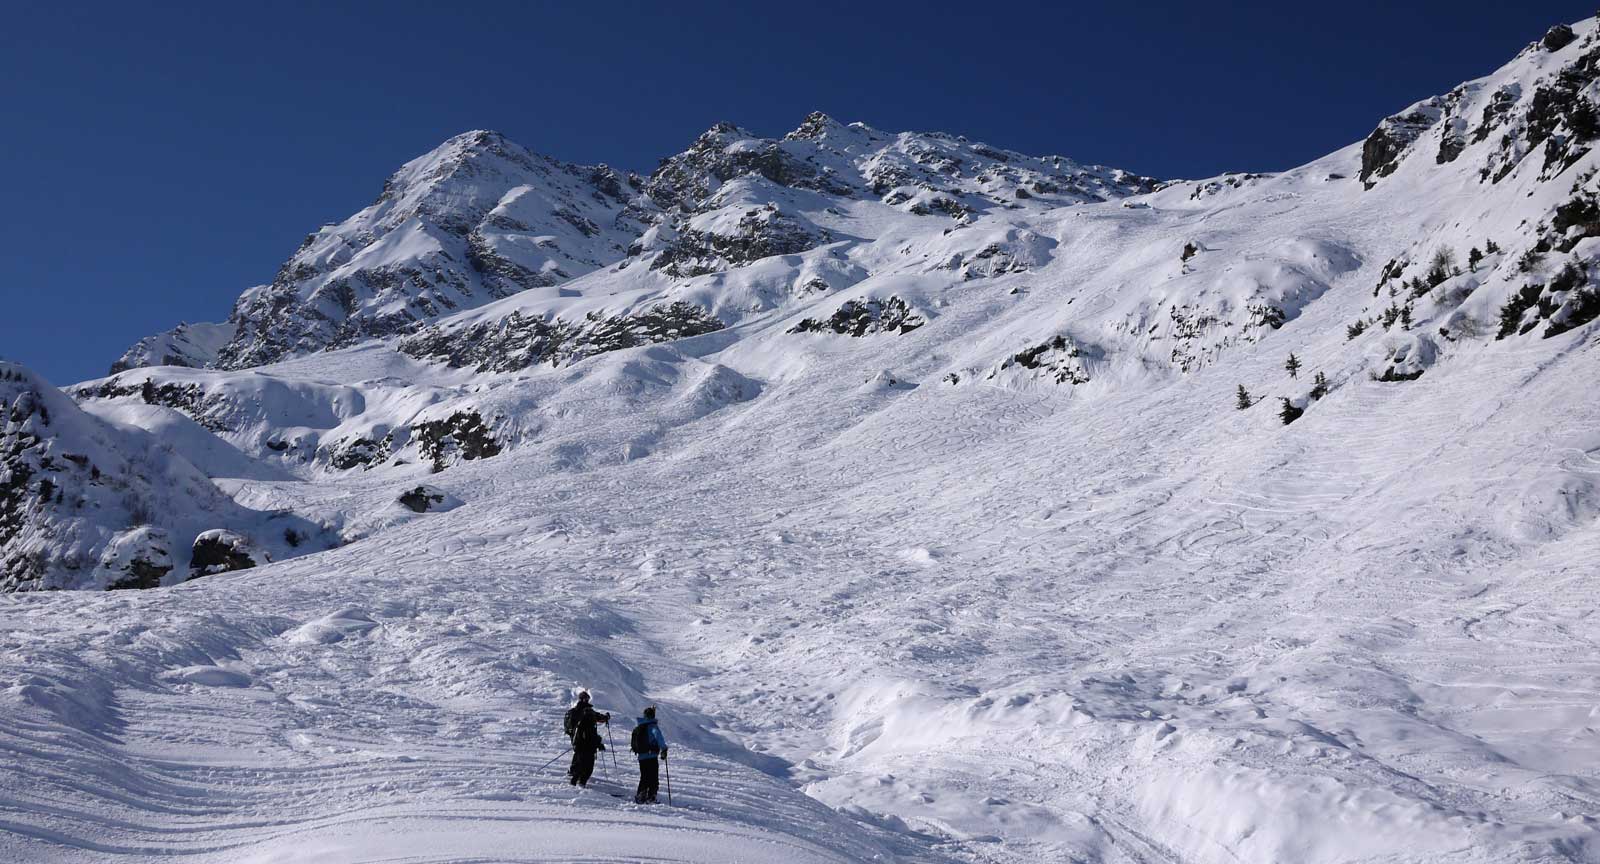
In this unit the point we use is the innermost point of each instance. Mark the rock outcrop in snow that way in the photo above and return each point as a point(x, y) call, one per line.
point(195, 345)
point(87, 504)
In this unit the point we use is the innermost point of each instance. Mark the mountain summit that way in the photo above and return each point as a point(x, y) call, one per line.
point(481, 218)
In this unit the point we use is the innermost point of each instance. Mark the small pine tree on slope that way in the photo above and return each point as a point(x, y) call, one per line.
point(1289, 413)
point(1319, 386)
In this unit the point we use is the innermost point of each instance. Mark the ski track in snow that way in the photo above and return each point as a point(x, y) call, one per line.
point(1128, 620)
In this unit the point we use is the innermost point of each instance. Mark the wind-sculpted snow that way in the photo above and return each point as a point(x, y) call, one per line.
point(975, 531)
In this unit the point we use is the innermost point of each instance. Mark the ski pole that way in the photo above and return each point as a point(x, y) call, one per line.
point(612, 744)
point(553, 761)
point(668, 768)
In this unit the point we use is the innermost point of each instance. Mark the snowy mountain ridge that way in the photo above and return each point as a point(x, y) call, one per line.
point(952, 504)
point(480, 218)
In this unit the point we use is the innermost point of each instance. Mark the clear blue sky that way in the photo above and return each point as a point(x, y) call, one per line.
point(159, 158)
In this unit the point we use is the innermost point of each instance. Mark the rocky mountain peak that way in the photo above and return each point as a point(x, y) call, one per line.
point(816, 125)
point(479, 218)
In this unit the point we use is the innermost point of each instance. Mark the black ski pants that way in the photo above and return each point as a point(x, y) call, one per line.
point(649, 781)
point(582, 765)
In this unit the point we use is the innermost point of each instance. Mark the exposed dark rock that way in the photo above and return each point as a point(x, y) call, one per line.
point(223, 551)
point(1495, 113)
point(427, 499)
point(1513, 314)
point(858, 318)
point(516, 342)
point(461, 436)
point(761, 232)
point(506, 275)
point(1391, 374)
point(1580, 309)
point(941, 204)
point(1452, 142)
point(998, 259)
point(1227, 181)
point(1559, 118)
point(190, 399)
point(814, 126)
point(360, 452)
point(1059, 359)
point(138, 560)
point(1575, 219)
point(1571, 302)
point(141, 575)
point(685, 180)
point(1381, 152)
point(665, 323)
point(1557, 37)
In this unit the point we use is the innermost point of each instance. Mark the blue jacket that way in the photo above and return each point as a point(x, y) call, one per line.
point(656, 737)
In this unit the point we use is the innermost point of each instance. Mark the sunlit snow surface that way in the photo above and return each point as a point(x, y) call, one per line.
point(890, 613)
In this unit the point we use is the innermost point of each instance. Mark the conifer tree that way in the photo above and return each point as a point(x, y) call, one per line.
point(1243, 400)
point(1293, 366)
point(1319, 386)
point(1289, 413)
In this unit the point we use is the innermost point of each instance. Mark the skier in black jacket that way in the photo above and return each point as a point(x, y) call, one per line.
point(586, 741)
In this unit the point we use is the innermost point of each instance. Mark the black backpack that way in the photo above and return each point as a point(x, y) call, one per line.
point(641, 742)
point(570, 723)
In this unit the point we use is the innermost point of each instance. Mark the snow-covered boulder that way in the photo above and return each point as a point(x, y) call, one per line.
point(427, 499)
point(222, 551)
point(137, 558)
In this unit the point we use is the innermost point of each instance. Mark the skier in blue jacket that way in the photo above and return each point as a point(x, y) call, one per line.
point(648, 742)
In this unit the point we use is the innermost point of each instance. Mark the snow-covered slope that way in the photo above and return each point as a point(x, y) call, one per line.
point(196, 345)
point(996, 529)
point(478, 218)
point(86, 503)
